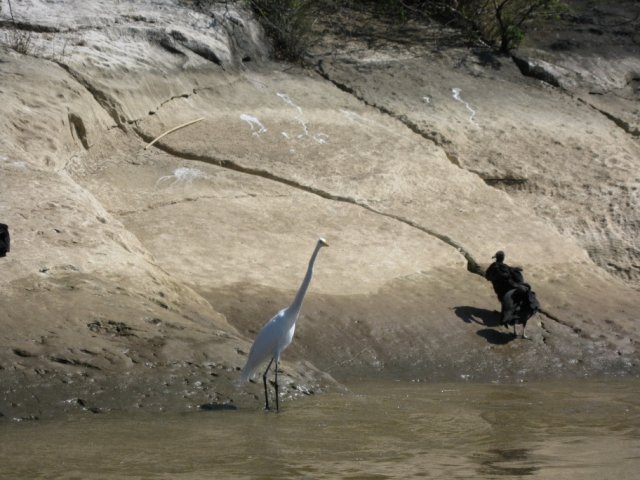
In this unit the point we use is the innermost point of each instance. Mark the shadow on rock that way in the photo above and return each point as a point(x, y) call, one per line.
point(496, 337)
point(487, 318)
point(481, 316)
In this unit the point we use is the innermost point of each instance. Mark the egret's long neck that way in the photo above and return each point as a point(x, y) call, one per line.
point(297, 301)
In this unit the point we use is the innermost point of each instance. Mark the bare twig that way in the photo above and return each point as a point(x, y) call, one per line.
point(173, 130)
point(11, 13)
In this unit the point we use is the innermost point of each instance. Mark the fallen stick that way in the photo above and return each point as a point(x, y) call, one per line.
point(172, 130)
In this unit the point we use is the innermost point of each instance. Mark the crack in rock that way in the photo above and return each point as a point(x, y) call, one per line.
point(154, 111)
point(103, 99)
point(442, 142)
point(506, 181)
point(538, 69)
point(624, 125)
point(182, 95)
point(576, 330)
point(30, 27)
point(195, 91)
point(472, 265)
point(148, 208)
point(544, 72)
point(110, 106)
point(433, 136)
point(72, 361)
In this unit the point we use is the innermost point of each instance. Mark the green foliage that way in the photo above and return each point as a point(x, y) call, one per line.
point(394, 10)
point(288, 23)
point(501, 23)
point(19, 41)
point(16, 39)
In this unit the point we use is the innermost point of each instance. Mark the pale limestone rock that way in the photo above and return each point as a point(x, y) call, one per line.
point(416, 163)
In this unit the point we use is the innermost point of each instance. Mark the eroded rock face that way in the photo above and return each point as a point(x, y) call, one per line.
point(152, 269)
point(592, 54)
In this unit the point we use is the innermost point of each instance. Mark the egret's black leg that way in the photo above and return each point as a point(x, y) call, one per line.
point(277, 406)
point(264, 380)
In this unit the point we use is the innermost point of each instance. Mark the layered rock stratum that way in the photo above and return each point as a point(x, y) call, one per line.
point(138, 277)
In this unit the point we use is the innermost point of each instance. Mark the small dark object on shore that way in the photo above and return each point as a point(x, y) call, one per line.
point(519, 303)
point(217, 407)
point(5, 240)
point(518, 306)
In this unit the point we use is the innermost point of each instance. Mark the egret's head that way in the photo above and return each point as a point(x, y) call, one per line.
point(499, 256)
point(323, 242)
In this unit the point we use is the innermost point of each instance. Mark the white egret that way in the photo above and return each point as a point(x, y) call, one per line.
point(277, 333)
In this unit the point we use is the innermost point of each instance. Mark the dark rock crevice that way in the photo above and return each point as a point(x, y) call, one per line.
point(155, 110)
point(109, 105)
point(78, 129)
point(436, 137)
point(624, 125)
point(199, 48)
point(531, 68)
point(30, 27)
point(535, 69)
point(507, 181)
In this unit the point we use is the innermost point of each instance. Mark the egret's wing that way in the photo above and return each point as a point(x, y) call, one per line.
point(263, 348)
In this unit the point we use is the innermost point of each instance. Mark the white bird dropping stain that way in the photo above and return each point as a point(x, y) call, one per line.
point(256, 126)
point(456, 96)
point(184, 175)
point(321, 138)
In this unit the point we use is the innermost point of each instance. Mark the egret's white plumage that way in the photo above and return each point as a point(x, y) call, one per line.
point(277, 333)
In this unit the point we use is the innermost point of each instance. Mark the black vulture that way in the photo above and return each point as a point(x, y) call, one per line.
point(518, 306)
point(519, 302)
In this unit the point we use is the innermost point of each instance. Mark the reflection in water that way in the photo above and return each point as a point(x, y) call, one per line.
point(569, 430)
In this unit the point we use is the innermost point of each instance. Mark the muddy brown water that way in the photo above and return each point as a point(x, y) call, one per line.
point(555, 430)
